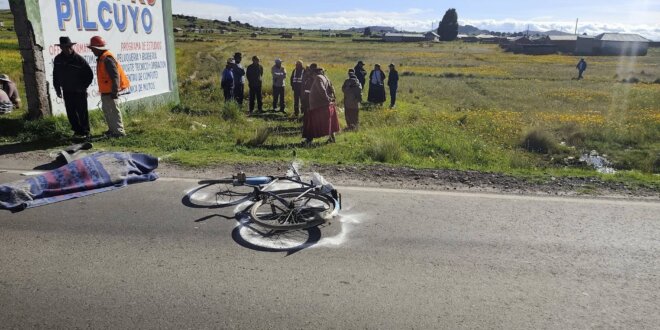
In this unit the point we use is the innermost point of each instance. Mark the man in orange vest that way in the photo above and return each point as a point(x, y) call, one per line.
point(112, 80)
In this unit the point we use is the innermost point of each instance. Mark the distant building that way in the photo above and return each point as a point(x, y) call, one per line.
point(615, 44)
point(623, 44)
point(403, 37)
point(566, 44)
point(345, 35)
point(287, 35)
point(432, 36)
point(254, 35)
point(177, 30)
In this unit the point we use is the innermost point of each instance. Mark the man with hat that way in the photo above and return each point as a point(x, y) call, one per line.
point(227, 80)
point(112, 79)
point(239, 79)
point(279, 82)
point(360, 73)
point(72, 75)
point(9, 87)
point(255, 73)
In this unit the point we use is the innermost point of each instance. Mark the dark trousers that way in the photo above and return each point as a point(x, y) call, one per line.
point(278, 95)
point(77, 112)
point(255, 94)
point(580, 72)
point(239, 93)
point(229, 93)
point(297, 98)
point(393, 96)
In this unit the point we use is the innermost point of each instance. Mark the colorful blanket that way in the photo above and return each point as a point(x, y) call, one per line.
point(94, 174)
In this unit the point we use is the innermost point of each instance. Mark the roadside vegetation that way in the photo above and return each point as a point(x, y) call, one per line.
point(461, 106)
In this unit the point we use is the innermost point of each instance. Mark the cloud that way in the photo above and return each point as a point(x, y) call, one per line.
point(4, 4)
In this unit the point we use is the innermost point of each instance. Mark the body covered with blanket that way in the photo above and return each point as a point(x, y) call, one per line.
point(94, 174)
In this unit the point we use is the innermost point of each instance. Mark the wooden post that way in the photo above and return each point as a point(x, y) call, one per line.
point(34, 75)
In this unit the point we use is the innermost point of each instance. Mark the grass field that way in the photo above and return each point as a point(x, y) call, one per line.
point(461, 106)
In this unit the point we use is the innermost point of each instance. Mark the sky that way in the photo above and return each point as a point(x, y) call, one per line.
point(632, 16)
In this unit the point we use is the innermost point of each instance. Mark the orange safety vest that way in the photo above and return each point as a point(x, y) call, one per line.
point(105, 83)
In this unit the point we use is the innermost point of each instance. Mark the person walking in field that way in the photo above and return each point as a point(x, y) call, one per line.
point(581, 66)
point(296, 85)
point(239, 79)
point(9, 87)
point(321, 119)
point(112, 80)
point(361, 73)
point(352, 97)
point(377, 86)
point(72, 75)
point(279, 82)
point(393, 83)
point(227, 81)
point(254, 74)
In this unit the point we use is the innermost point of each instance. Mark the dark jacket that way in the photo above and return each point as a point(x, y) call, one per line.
point(393, 79)
point(255, 73)
point(361, 74)
point(239, 74)
point(71, 73)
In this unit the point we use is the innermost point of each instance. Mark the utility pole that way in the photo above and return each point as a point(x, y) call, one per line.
point(34, 70)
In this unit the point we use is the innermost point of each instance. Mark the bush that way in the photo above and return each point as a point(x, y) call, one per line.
point(260, 137)
point(384, 151)
point(538, 141)
point(657, 81)
point(230, 111)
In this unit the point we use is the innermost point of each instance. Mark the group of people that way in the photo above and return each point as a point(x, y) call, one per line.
point(72, 76)
point(9, 98)
point(313, 93)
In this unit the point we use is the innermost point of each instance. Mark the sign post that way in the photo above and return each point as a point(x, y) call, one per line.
point(138, 32)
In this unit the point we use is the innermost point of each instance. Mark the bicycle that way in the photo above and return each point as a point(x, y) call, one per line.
point(299, 205)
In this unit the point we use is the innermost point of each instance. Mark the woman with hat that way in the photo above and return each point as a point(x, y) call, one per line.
point(9, 87)
point(72, 75)
point(321, 119)
point(377, 86)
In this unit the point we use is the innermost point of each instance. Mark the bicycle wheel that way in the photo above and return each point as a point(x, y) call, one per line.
point(217, 194)
point(293, 210)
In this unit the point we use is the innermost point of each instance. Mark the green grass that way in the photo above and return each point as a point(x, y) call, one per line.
point(461, 106)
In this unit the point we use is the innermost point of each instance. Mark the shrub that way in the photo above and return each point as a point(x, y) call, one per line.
point(657, 81)
point(656, 164)
point(230, 111)
point(538, 141)
point(259, 139)
point(384, 151)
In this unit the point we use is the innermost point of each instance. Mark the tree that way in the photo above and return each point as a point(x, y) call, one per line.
point(367, 32)
point(448, 29)
point(229, 19)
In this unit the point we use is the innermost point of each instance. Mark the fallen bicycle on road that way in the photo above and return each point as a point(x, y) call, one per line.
point(277, 203)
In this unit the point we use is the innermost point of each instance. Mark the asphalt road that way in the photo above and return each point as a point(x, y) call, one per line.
point(139, 258)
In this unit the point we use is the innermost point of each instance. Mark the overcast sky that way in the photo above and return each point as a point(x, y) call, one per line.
point(636, 16)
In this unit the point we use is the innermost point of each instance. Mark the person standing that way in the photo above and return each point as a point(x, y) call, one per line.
point(296, 85)
point(9, 87)
point(377, 86)
point(112, 80)
point(72, 75)
point(255, 73)
point(361, 73)
point(308, 80)
point(321, 119)
point(239, 79)
point(581, 66)
point(393, 83)
point(279, 82)
point(227, 81)
point(352, 97)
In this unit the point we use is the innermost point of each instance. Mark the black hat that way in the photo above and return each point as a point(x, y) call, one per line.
point(360, 63)
point(65, 41)
point(238, 55)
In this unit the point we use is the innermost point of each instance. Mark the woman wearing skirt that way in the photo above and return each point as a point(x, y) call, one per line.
point(321, 119)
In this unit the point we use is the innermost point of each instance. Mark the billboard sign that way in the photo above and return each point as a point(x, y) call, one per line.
point(136, 32)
